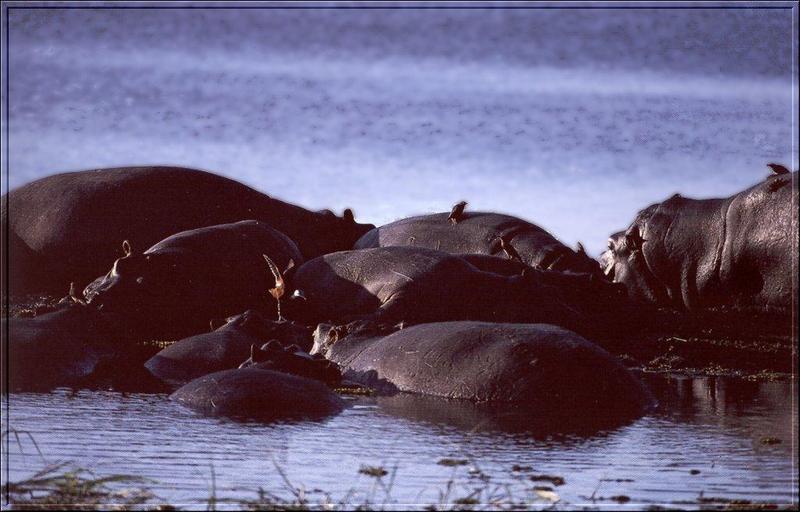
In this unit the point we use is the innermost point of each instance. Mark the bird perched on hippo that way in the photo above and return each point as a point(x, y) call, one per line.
point(387, 285)
point(68, 227)
point(692, 254)
point(174, 288)
point(464, 232)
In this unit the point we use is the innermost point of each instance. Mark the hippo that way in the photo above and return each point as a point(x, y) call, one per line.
point(292, 359)
point(68, 227)
point(225, 347)
point(178, 285)
point(59, 348)
point(388, 285)
point(462, 232)
point(264, 395)
point(692, 254)
point(535, 366)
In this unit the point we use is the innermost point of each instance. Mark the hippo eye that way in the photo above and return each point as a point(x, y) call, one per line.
point(139, 280)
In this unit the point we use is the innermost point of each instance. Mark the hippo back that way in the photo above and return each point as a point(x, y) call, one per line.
point(479, 233)
point(534, 365)
point(75, 222)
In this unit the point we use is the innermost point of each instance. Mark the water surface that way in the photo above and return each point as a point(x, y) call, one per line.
point(704, 441)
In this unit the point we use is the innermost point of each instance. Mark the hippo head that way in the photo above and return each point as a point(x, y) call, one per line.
point(342, 231)
point(140, 282)
point(624, 262)
point(325, 335)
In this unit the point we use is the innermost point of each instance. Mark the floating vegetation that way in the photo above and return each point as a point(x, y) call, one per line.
point(770, 440)
point(373, 471)
point(553, 479)
point(453, 462)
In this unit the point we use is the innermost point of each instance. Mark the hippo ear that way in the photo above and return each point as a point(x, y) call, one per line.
point(581, 250)
point(348, 216)
point(126, 248)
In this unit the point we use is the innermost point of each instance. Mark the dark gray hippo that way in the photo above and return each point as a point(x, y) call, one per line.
point(292, 359)
point(415, 285)
point(177, 286)
point(224, 348)
point(481, 233)
point(264, 395)
point(71, 346)
point(536, 366)
point(388, 285)
point(696, 253)
point(68, 227)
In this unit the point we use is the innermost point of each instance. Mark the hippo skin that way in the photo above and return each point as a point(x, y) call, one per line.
point(178, 285)
point(224, 348)
point(387, 285)
point(738, 251)
point(252, 393)
point(59, 348)
point(479, 233)
point(68, 227)
point(536, 366)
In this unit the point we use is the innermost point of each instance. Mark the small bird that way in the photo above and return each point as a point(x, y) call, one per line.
point(457, 212)
point(778, 169)
point(507, 248)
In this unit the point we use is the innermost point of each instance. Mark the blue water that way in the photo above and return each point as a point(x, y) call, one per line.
point(713, 426)
point(574, 119)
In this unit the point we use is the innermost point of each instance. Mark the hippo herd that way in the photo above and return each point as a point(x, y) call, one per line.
point(262, 309)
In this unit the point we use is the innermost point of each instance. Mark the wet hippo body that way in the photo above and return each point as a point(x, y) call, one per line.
point(223, 348)
point(60, 348)
point(534, 365)
point(72, 224)
point(415, 285)
point(291, 359)
point(252, 393)
point(481, 233)
point(735, 251)
point(177, 286)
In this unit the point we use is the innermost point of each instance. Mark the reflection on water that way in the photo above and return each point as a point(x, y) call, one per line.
point(704, 440)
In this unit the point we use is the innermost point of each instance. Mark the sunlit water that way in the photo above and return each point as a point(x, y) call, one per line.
point(574, 119)
point(711, 425)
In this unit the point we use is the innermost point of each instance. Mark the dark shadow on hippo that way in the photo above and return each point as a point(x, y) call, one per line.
point(73, 346)
point(176, 287)
point(543, 369)
point(388, 285)
point(481, 233)
point(69, 226)
point(224, 348)
point(256, 394)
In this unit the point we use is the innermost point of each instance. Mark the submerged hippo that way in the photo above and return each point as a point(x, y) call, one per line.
point(481, 233)
point(68, 226)
point(536, 366)
point(414, 285)
point(224, 348)
point(292, 359)
point(178, 285)
point(695, 253)
point(252, 393)
point(60, 348)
